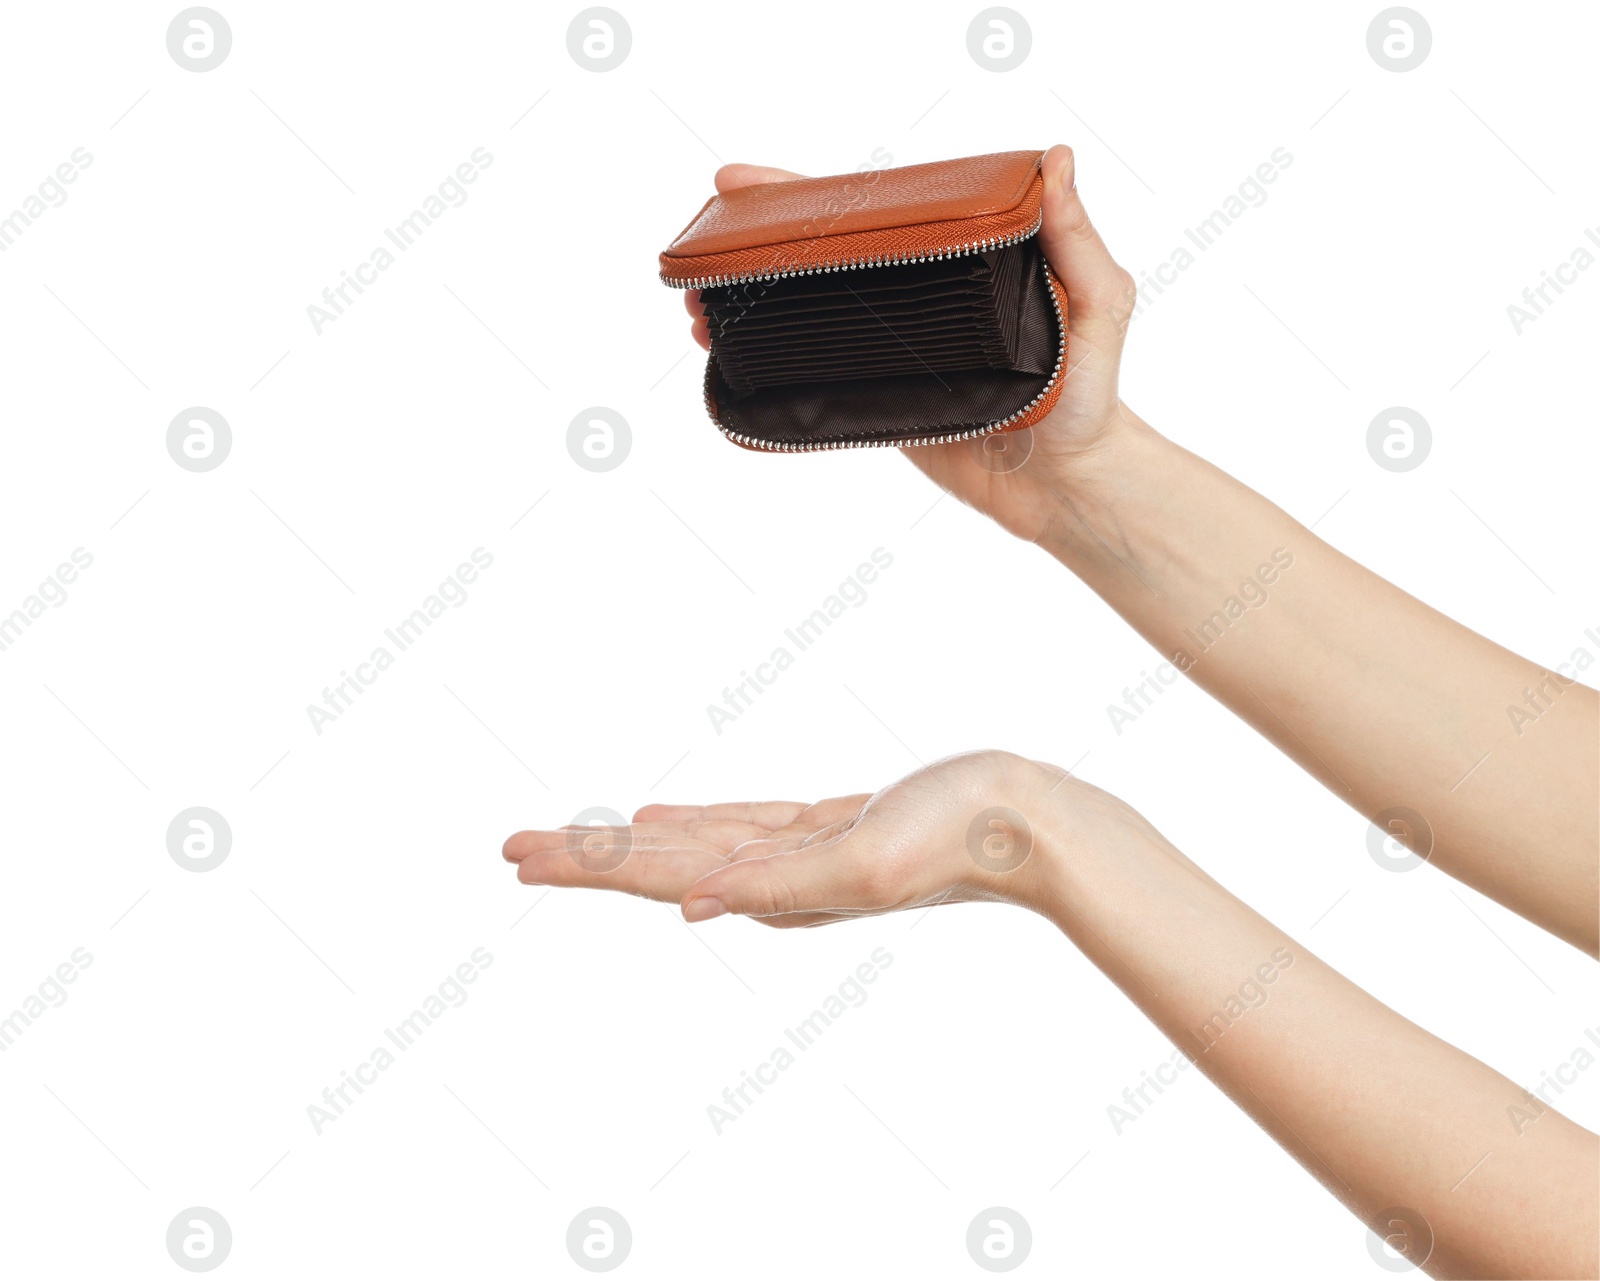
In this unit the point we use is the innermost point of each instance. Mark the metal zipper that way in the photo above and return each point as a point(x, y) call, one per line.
point(856, 264)
point(970, 433)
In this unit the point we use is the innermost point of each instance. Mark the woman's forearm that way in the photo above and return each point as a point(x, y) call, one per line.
point(1381, 1112)
point(1391, 704)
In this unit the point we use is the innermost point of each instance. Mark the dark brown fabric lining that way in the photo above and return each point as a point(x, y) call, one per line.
point(950, 314)
point(980, 346)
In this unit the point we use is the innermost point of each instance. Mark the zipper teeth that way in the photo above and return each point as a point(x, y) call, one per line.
point(970, 433)
point(856, 264)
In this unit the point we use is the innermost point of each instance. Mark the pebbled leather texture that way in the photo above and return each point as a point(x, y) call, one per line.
point(877, 200)
point(857, 248)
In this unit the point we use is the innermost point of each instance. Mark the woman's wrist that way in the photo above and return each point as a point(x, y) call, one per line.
point(1081, 843)
point(1092, 486)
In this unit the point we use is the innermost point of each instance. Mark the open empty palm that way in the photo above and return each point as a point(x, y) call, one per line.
point(787, 863)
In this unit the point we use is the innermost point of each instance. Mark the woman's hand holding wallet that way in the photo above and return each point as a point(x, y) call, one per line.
point(1083, 409)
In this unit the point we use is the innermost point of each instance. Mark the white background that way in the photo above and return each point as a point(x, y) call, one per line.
point(370, 460)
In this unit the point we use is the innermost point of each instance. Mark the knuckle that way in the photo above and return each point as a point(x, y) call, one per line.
point(1113, 295)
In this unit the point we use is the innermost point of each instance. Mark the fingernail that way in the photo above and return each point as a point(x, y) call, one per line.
point(703, 909)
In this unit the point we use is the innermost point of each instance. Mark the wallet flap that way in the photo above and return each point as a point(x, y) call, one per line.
point(780, 213)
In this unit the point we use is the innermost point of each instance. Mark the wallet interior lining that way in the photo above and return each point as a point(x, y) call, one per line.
point(885, 353)
point(949, 314)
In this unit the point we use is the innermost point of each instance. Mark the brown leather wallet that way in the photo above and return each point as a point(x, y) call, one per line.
point(906, 306)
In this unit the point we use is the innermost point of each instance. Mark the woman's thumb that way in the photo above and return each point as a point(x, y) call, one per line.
point(1100, 294)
